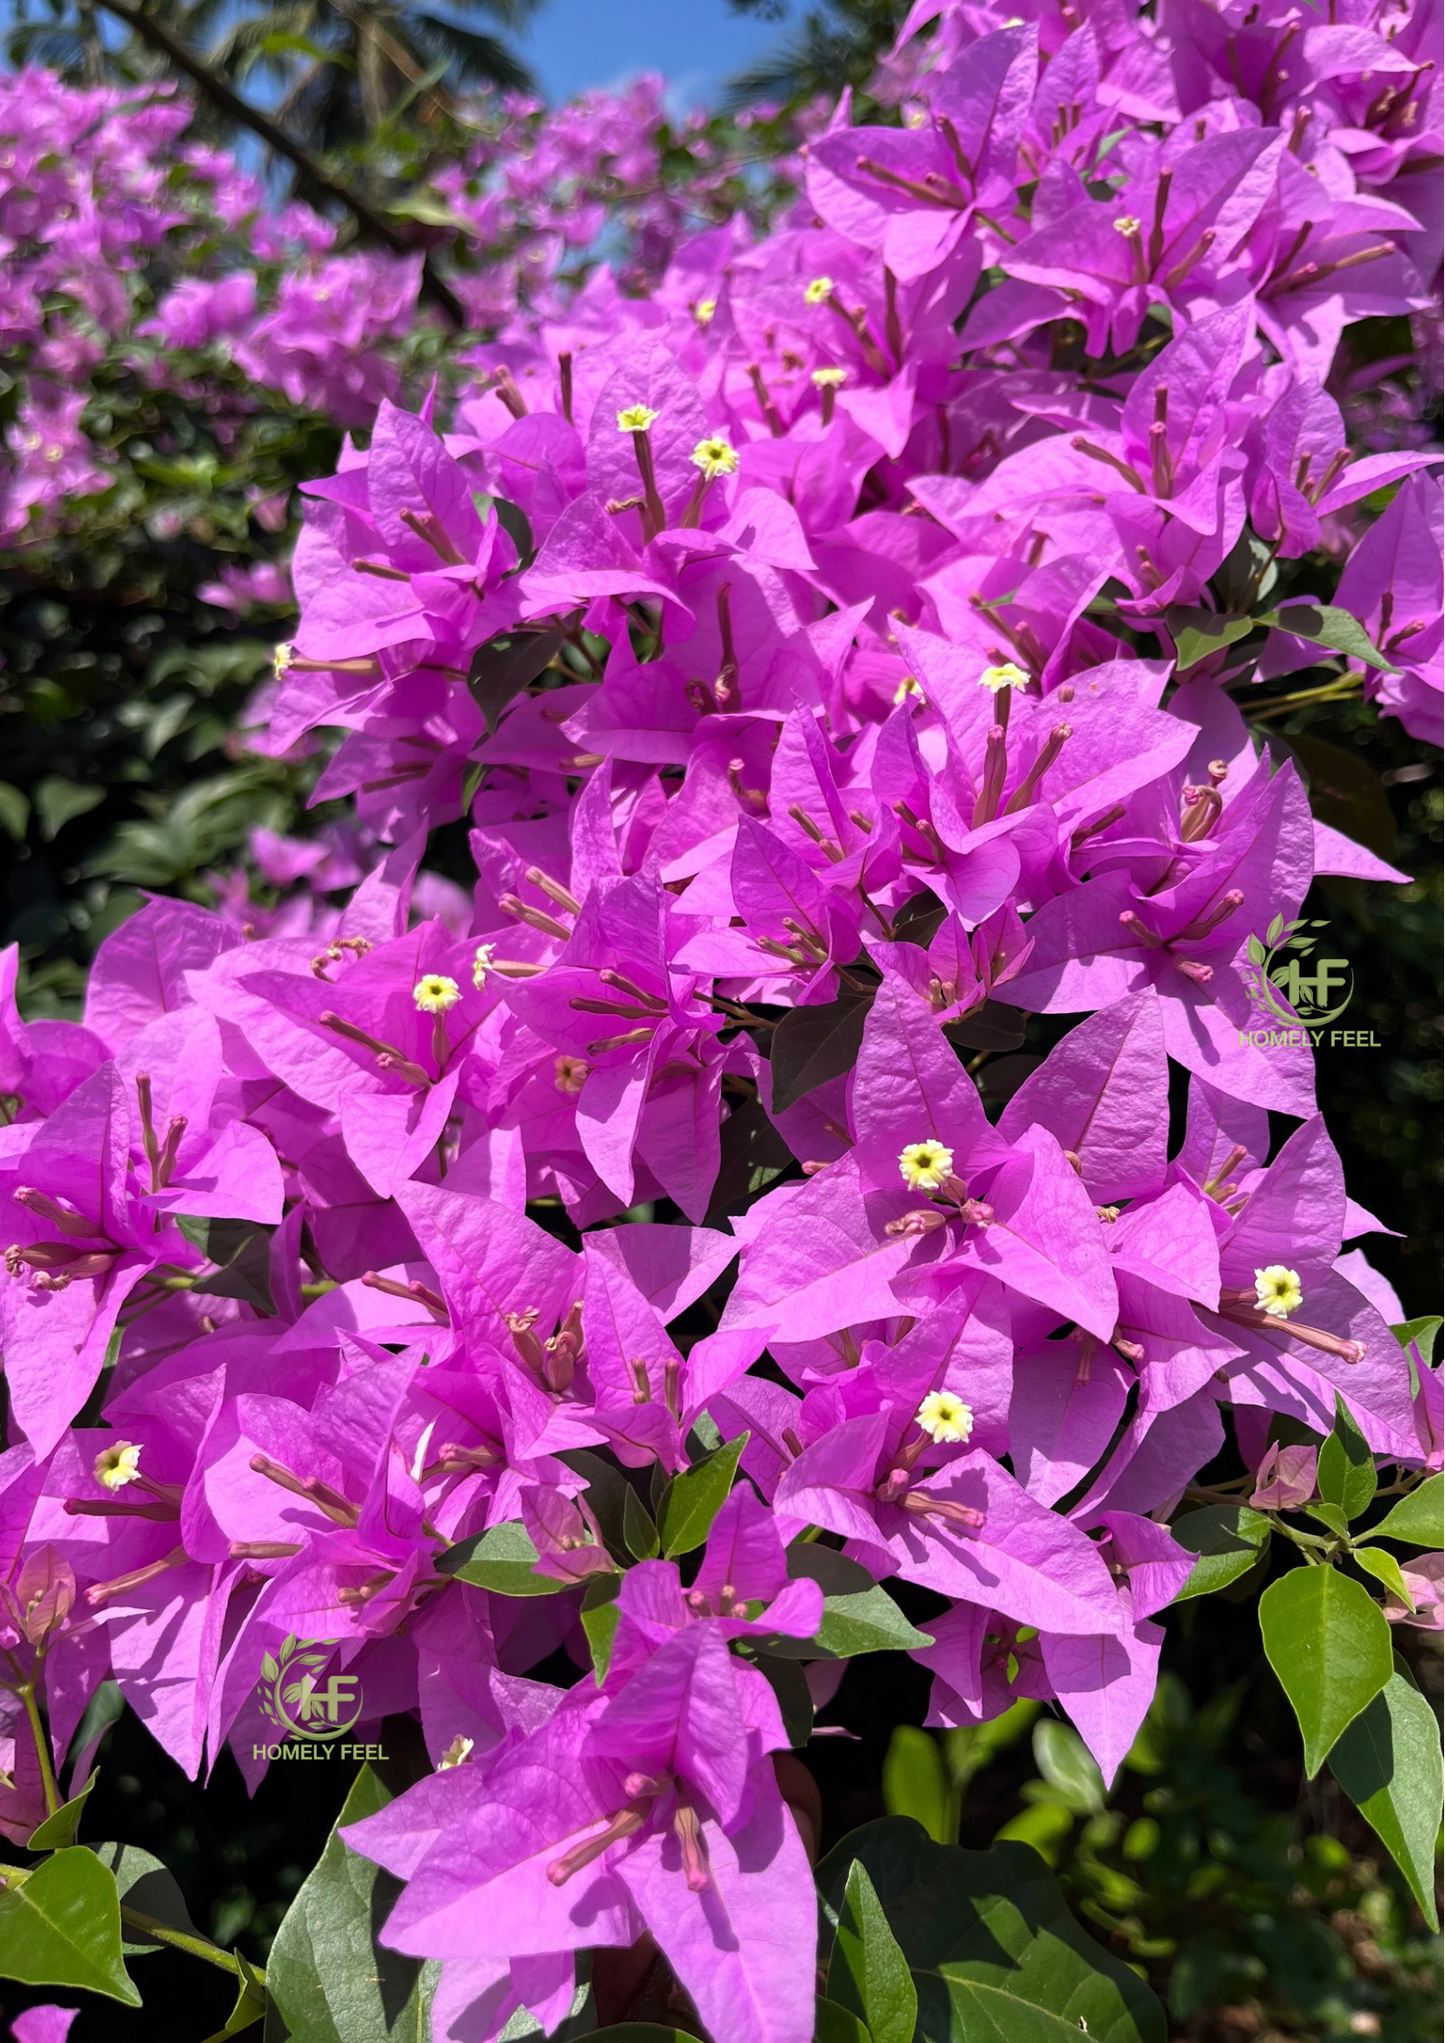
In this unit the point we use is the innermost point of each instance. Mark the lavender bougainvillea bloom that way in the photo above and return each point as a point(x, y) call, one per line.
point(799, 629)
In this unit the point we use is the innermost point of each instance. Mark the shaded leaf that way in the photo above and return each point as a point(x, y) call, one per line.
point(1388, 1763)
point(810, 1045)
point(502, 668)
point(993, 1026)
point(1198, 633)
point(867, 1973)
point(753, 1155)
point(1229, 1539)
point(503, 1560)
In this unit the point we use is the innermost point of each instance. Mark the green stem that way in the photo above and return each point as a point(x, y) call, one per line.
point(182, 1940)
point(42, 1743)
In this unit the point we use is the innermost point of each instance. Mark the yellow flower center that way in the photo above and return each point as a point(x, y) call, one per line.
point(715, 457)
point(704, 311)
point(1126, 224)
point(830, 379)
point(635, 418)
point(996, 679)
point(1278, 1291)
point(434, 993)
point(908, 687)
point(282, 656)
point(118, 1465)
point(945, 1417)
point(926, 1165)
point(818, 290)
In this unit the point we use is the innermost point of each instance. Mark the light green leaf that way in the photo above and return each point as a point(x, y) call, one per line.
point(1068, 1767)
point(1327, 1640)
point(331, 1980)
point(1197, 633)
point(868, 1974)
point(1423, 1332)
point(1347, 1468)
point(1325, 624)
point(692, 1501)
point(1386, 1569)
point(60, 1926)
point(857, 1620)
point(600, 1618)
point(60, 1828)
point(1415, 1520)
point(503, 1560)
point(915, 1783)
point(1044, 1827)
point(14, 812)
point(1229, 1539)
point(1332, 1516)
point(1388, 1763)
point(145, 1884)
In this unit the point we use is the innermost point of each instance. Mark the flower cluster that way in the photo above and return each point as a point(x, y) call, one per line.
point(811, 649)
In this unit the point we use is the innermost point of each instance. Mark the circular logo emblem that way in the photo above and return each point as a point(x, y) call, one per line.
point(1290, 983)
point(296, 1697)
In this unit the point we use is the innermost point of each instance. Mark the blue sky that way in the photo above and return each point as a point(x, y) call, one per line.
point(698, 45)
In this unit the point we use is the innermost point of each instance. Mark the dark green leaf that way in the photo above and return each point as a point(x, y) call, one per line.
point(1198, 633)
point(1327, 1640)
point(692, 1500)
point(867, 1623)
point(810, 1045)
point(867, 1973)
point(503, 1559)
point(143, 1883)
point(832, 2024)
point(1325, 624)
point(502, 668)
point(639, 1534)
point(753, 1154)
point(1388, 1763)
point(60, 1926)
point(331, 1979)
point(1228, 1538)
point(995, 1954)
point(246, 1271)
point(60, 1828)
point(795, 1702)
point(1415, 1520)
point(1347, 793)
point(993, 1026)
point(58, 802)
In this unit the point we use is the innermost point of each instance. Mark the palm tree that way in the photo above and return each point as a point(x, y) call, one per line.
point(832, 47)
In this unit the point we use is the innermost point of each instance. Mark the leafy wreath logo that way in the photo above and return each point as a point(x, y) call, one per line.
point(1285, 992)
point(292, 1699)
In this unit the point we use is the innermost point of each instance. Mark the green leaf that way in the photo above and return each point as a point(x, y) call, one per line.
point(1332, 1516)
point(832, 2024)
point(1415, 1520)
point(1385, 1569)
point(1327, 1640)
point(145, 1884)
point(502, 668)
point(1198, 633)
point(1044, 1827)
point(692, 1501)
point(813, 1044)
point(59, 1829)
point(330, 1977)
point(639, 1534)
point(250, 2005)
point(915, 1784)
point(1256, 951)
point(1388, 1763)
point(60, 1926)
point(1275, 931)
point(1423, 1332)
point(1325, 624)
point(1229, 1539)
point(1346, 792)
point(1347, 1468)
point(860, 1617)
point(14, 812)
point(600, 1618)
point(58, 802)
point(794, 1698)
point(503, 1559)
point(1068, 1767)
point(995, 1954)
point(867, 1973)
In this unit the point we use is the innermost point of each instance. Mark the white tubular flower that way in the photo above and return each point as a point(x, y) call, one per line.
point(705, 311)
point(996, 679)
point(829, 379)
point(1126, 224)
point(482, 963)
point(818, 291)
point(636, 418)
point(715, 456)
point(117, 1465)
point(434, 993)
point(926, 1165)
point(1278, 1291)
point(946, 1418)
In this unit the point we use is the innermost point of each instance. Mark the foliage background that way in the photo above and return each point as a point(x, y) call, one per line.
point(1259, 1905)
